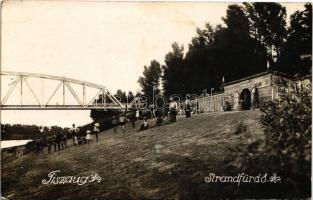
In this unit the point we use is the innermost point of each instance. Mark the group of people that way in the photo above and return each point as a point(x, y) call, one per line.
point(79, 137)
point(121, 120)
point(58, 141)
point(169, 114)
point(173, 108)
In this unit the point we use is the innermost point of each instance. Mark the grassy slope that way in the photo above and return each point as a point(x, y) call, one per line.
point(166, 162)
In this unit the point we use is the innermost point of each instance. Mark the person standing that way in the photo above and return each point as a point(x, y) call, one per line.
point(137, 114)
point(187, 108)
point(49, 144)
point(40, 142)
point(173, 109)
point(246, 101)
point(114, 123)
point(64, 139)
point(61, 140)
point(54, 142)
point(133, 119)
point(122, 120)
point(254, 98)
point(74, 133)
point(96, 130)
point(39, 145)
point(236, 101)
point(58, 140)
point(88, 136)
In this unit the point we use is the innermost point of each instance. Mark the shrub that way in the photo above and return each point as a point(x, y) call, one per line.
point(285, 149)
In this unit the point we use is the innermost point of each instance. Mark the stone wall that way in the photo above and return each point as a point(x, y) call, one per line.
point(212, 103)
point(12, 152)
point(267, 85)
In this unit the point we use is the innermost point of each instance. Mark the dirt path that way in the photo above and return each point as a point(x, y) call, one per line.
point(167, 162)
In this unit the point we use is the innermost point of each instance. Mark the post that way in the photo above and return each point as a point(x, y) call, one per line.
point(103, 100)
point(21, 103)
point(63, 92)
point(206, 109)
point(213, 104)
point(43, 91)
point(104, 97)
point(126, 102)
point(84, 95)
point(153, 100)
point(212, 99)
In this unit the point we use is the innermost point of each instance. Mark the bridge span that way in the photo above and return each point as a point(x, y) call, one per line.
point(18, 86)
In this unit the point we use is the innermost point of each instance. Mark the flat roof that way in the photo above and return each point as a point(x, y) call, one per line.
point(255, 76)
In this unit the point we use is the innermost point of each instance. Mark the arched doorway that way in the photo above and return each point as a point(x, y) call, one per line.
point(245, 99)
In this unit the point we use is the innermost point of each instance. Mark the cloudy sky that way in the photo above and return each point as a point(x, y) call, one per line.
point(107, 43)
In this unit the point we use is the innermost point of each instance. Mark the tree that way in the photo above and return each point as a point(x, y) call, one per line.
point(150, 80)
point(121, 96)
point(173, 77)
point(268, 26)
point(20, 132)
point(130, 96)
point(200, 68)
point(55, 130)
point(297, 51)
point(251, 35)
point(237, 53)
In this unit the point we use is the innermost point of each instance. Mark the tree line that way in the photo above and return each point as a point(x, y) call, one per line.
point(22, 132)
point(254, 37)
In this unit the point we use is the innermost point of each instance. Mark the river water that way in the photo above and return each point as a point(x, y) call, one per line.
point(12, 143)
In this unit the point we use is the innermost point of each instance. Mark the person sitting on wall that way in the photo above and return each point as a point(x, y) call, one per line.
point(227, 106)
point(159, 120)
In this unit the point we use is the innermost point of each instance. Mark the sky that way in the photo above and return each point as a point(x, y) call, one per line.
point(107, 43)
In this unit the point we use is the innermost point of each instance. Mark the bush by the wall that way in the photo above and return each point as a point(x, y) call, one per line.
point(286, 148)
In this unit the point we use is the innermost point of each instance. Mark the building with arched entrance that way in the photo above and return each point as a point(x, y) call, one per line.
point(246, 93)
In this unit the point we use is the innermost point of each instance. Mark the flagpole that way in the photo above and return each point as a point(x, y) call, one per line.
point(153, 100)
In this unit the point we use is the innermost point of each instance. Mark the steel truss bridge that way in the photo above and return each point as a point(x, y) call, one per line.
point(20, 81)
